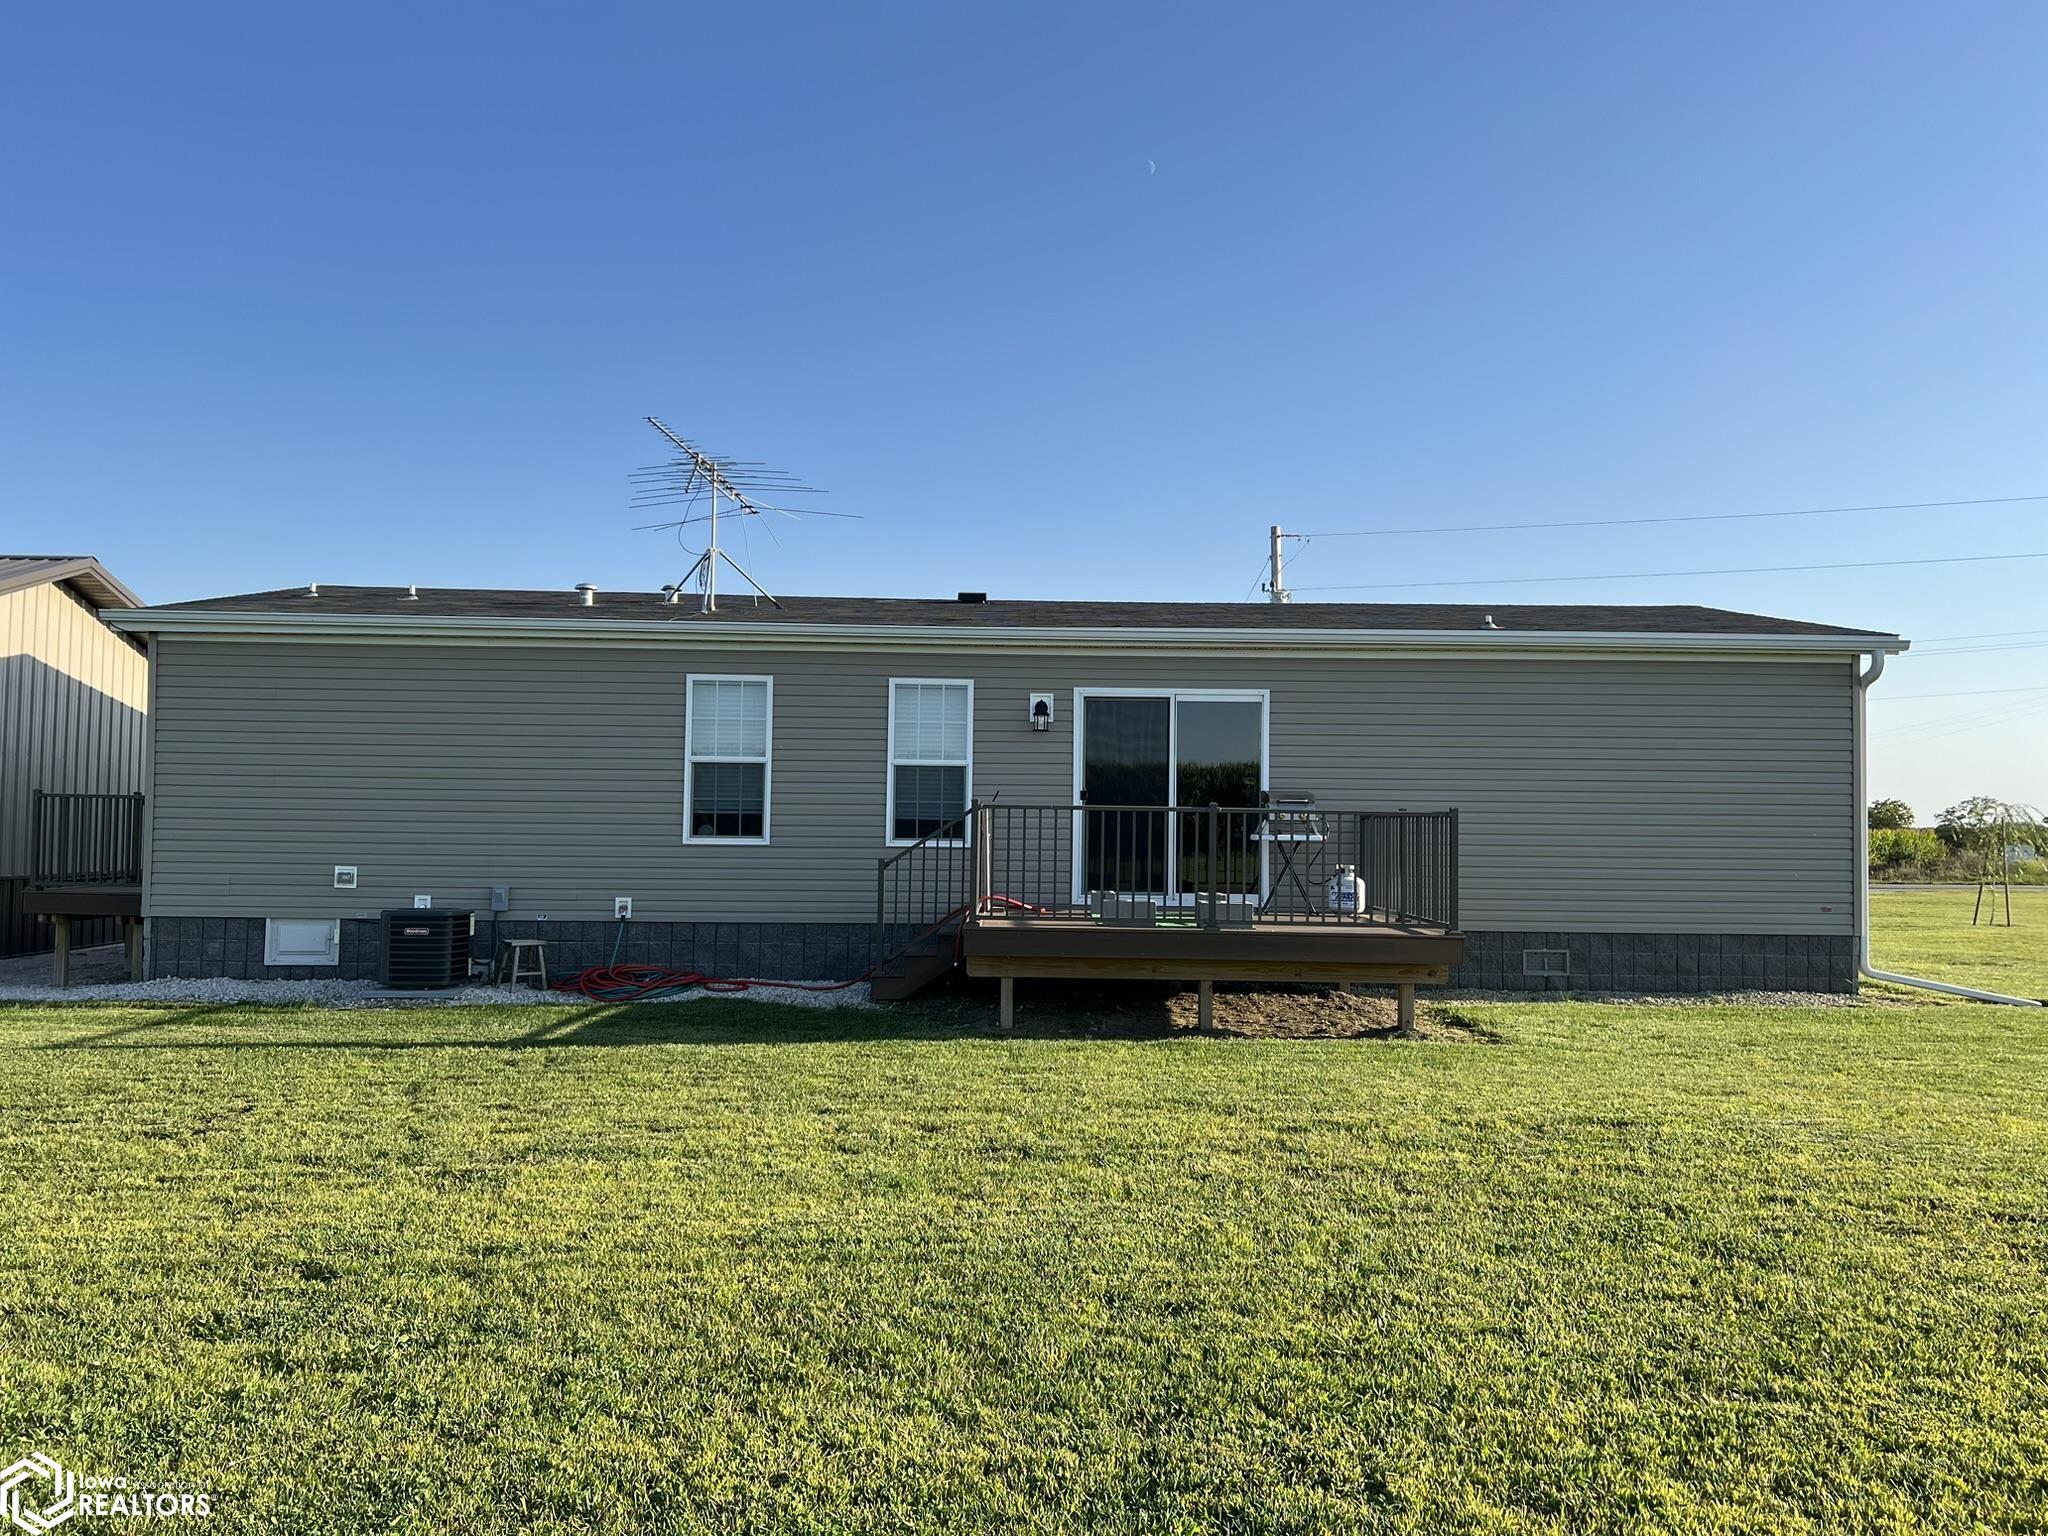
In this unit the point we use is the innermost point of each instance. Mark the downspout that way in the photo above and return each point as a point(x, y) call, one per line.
point(1863, 681)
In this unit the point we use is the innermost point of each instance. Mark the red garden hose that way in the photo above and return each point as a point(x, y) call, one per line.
point(631, 983)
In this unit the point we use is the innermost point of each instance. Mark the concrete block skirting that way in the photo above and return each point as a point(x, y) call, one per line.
point(233, 946)
point(1663, 962)
point(1598, 962)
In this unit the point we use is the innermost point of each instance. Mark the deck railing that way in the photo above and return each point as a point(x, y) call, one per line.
point(1206, 866)
point(85, 839)
point(924, 888)
point(1216, 866)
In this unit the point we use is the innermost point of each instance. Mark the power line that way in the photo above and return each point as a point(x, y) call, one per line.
point(1991, 634)
point(1733, 570)
point(1637, 522)
point(1999, 709)
point(1957, 725)
point(1961, 693)
point(1979, 650)
point(1256, 579)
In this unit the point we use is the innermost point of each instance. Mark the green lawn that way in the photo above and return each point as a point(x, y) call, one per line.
point(727, 1267)
point(1928, 933)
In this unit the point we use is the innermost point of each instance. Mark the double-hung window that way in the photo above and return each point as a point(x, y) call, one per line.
point(931, 756)
point(727, 741)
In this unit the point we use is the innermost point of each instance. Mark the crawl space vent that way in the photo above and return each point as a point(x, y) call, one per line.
point(301, 941)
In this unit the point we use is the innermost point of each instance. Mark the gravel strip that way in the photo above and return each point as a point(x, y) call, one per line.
point(1657, 999)
point(368, 994)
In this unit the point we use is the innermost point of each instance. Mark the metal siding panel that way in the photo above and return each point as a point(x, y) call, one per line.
point(72, 708)
point(71, 718)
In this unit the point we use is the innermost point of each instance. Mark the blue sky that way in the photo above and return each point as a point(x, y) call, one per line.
point(381, 294)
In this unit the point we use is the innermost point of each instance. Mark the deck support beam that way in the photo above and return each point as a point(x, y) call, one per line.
point(133, 925)
point(60, 954)
point(1404, 1008)
point(1007, 1008)
point(1205, 1005)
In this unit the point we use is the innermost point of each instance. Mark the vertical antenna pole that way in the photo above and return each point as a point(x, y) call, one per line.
point(711, 554)
point(1278, 586)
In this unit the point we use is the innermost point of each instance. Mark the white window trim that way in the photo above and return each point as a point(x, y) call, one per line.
point(889, 837)
point(690, 759)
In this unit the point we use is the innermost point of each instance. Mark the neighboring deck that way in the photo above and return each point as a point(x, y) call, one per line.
point(87, 865)
point(83, 900)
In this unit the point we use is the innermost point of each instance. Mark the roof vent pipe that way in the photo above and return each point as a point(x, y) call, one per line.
point(312, 589)
point(1489, 624)
point(412, 593)
point(586, 594)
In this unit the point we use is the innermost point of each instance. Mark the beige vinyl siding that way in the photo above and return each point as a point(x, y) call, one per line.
point(73, 697)
point(1669, 795)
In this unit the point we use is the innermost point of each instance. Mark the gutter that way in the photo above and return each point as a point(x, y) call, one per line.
point(1863, 966)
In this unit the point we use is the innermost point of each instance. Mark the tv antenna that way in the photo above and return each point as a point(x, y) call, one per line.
point(697, 481)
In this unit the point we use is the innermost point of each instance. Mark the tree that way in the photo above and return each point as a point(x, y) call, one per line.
point(1899, 849)
point(1890, 816)
point(1987, 828)
point(1991, 834)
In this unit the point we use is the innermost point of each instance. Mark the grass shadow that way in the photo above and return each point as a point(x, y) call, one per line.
point(959, 1009)
point(166, 1020)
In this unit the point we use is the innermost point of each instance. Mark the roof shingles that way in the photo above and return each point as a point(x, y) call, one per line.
point(649, 607)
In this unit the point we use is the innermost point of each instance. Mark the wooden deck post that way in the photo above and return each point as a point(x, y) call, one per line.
point(1205, 1005)
point(1007, 1009)
point(1404, 1007)
point(61, 956)
point(984, 858)
point(134, 927)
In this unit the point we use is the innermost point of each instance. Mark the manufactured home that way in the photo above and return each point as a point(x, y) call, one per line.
point(72, 729)
point(1657, 798)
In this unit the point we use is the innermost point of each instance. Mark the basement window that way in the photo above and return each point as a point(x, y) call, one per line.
point(1546, 962)
point(301, 941)
point(727, 740)
point(931, 756)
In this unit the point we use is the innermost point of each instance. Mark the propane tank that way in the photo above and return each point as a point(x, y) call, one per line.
point(1343, 890)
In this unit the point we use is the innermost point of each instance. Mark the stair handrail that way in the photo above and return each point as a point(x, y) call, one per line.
point(953, 832)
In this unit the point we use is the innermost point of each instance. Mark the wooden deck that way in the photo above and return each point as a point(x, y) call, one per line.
point(64, 904)
point(1329, 953)
point(84, 900)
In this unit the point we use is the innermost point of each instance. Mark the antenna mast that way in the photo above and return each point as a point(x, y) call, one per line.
point(695, 475)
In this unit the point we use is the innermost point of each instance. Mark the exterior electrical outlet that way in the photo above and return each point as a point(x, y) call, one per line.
point(622, 906)
point(344, 877)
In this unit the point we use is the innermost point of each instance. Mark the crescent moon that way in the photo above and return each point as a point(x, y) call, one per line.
point(1151, 167)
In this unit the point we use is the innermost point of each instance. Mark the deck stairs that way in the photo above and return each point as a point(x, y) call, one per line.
point(923, 961)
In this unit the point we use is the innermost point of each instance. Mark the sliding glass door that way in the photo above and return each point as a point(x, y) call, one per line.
point(1140, 753)
point(1219, 749)
point(1126, 771)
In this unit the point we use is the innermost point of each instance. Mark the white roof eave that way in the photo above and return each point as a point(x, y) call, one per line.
point(388, 627)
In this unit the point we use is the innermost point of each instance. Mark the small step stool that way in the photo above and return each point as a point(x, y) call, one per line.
point(512, 954)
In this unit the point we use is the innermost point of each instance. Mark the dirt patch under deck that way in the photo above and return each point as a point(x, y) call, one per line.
point(1142, 1010)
